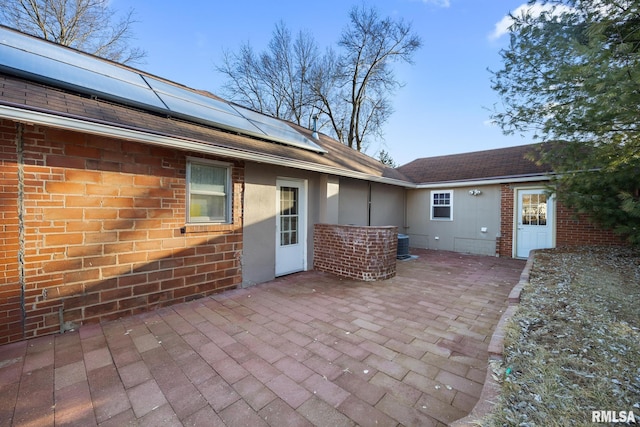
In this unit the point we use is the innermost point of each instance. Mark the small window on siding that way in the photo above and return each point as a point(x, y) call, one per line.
point(208, 192)
point(442, 205)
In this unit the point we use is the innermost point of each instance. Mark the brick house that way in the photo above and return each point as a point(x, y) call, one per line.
point(110, 206)
point(491, 202)
point(113, 203)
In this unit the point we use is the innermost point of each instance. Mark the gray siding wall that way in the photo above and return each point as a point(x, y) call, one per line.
point(353, 199)
point(387, 204)
point(259, 250)
point(330, 199)
point(465, 232)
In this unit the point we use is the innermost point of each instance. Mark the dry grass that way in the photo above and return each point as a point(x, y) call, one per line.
point(573, 346)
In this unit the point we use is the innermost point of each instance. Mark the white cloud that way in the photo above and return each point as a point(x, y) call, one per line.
point(502, 27)
point(440, 3)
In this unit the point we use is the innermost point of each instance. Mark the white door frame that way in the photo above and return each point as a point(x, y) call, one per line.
point(519, 228)
point(292, 258)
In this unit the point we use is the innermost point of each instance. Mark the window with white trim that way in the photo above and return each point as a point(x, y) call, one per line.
point(208, 192)
point(442, 205)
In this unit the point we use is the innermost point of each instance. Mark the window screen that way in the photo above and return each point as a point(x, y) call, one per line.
point(208, 192)
point(441, 204)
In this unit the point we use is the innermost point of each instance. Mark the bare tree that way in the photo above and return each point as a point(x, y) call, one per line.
point(273, 82)
point(349, 89)
point(326, 81)
point(244, 82)
point(87, 25)
point(370, 45)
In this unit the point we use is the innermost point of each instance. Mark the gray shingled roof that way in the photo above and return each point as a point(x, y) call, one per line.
point(499, 163)
point(56, 99)
point(18, 92)
point(480, 165)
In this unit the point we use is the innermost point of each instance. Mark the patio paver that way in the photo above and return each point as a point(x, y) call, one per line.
point(305, 349)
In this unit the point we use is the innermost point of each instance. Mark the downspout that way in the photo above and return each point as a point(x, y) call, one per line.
point(404, 212)
point(21, 234)
point(369, 205)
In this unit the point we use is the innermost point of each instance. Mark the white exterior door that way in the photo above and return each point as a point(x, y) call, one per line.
point(291, 236)
point(534, 222)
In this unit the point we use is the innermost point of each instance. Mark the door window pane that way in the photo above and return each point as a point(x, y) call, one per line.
point(288, 216)
point(534, 209)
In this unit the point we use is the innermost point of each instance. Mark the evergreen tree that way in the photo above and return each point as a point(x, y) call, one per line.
point(386, 159)
point(572, 73)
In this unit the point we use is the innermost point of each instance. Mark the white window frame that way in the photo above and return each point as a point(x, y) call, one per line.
point(228, 215)
point(432, 206)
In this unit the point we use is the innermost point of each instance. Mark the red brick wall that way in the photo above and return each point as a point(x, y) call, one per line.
point(570, 231)
point(505, 241)
point(103, 237)
point(10, 288)
point(363, 253)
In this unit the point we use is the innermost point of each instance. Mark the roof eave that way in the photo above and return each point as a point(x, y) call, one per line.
point(538, 177)
point(204, 147)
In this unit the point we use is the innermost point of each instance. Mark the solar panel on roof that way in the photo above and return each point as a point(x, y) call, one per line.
point(189, 104)
point(175, 91)
point(185, 102)
point(49, 63)
point(54, 64)
point(277, 129)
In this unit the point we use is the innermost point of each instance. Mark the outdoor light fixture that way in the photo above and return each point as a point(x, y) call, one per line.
point(475, 192)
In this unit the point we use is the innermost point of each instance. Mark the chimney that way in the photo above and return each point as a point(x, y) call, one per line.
point(315, 127)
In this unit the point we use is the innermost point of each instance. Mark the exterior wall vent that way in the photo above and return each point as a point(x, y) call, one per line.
point(403, 246)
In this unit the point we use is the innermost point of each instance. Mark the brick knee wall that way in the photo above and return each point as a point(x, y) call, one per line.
point(362, 253)
point(104, 231)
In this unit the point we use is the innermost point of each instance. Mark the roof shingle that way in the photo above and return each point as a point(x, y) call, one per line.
point(18, 92)
point(479, 165)
point(32, 93)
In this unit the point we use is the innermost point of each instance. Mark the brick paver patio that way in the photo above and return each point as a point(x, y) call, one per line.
point(306, 349)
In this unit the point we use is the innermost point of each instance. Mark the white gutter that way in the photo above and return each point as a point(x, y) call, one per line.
point(108, 130)
point(479, 182)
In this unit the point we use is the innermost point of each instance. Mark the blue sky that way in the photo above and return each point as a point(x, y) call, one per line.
point(442, 109)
